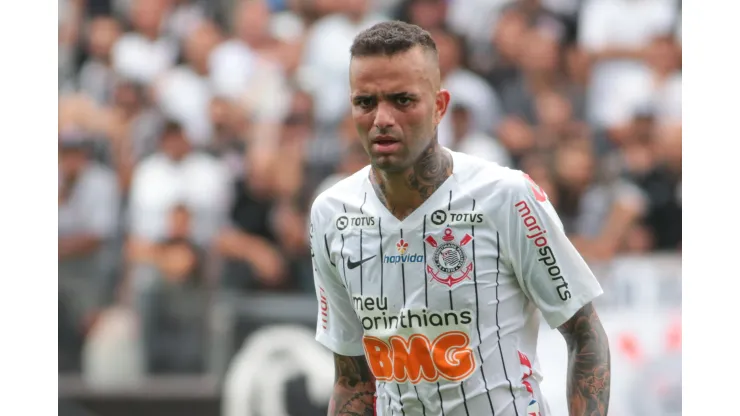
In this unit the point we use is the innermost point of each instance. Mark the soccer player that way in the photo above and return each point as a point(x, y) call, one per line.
point(431, 266)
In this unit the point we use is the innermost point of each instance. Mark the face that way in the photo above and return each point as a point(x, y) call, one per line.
point(252, 20)
point(396, 106)
point(449, 52)
point(199, 44)
point(553, 110)
point(103, 34)
point(539, 53)
point(71, 161)
point(575, 166)
point(427, 13)
point(147, 15)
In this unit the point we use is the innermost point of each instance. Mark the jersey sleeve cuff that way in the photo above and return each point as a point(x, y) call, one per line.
point(558, 318)
point(349, 350)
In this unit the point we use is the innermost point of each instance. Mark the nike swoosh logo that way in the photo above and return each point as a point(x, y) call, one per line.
point(354, 264)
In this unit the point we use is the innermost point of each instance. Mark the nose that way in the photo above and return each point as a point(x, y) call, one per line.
point(384, 117)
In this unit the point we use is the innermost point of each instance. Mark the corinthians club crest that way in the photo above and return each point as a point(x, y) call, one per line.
point(450, 259)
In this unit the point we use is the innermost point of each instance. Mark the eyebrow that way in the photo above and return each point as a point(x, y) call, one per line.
point(390, 96)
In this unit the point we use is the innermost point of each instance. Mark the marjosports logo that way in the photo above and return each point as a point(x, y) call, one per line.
point(355, 221)
point(417, 358)
point(402, 247)
point(547, 257)
point(539, 194)
point(441, 217)
point(450, 258)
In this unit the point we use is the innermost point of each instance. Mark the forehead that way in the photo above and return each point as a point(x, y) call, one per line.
point(410, 70)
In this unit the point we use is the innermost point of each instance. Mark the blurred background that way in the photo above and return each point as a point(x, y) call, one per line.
point(194, 135)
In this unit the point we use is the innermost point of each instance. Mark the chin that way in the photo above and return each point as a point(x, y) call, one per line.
point(388, 164)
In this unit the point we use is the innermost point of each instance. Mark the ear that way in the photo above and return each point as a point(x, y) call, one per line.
point(441, 103)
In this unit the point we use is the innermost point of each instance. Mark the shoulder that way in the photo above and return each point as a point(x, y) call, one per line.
point(498, 188)
point(335, 198)
point(488, 177)
point(100, 177)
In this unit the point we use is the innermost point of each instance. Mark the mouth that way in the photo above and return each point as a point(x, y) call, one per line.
point(385, 144)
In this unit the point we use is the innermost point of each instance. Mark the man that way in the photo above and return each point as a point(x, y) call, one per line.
point(430, 264)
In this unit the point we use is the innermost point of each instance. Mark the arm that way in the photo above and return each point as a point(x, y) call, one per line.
point(78, 245)
point(589, 368)
point(354, 387)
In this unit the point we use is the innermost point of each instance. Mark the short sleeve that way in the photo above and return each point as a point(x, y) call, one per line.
point(594, 32)
point(101, 204)
point(337, 326)
point(550, 270)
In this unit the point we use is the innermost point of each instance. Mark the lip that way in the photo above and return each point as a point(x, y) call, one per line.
point(385, 146)
point(384, 139)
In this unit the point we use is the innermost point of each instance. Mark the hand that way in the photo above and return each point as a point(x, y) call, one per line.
point(177, 262)
point(267, 264)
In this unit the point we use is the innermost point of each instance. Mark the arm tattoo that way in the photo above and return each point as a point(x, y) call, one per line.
point(354, 387)
point(589, 373)
point(426, 176)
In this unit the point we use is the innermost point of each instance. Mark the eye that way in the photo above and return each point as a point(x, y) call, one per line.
point(364, 102)
point(403, 101)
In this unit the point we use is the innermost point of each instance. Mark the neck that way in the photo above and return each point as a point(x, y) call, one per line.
point(403, 192)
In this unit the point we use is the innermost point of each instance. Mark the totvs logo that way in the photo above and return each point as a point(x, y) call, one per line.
point(418, 358)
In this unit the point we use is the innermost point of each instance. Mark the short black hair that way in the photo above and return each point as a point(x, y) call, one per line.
point(391, 37)
point(172, 127)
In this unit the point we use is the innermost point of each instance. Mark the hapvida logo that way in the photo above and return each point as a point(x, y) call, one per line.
point(402, 247)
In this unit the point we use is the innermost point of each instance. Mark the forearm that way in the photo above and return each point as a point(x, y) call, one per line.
point(617, 53)
point(589, 372)
point(352, 401)
point(354, 388)
point(77, 245)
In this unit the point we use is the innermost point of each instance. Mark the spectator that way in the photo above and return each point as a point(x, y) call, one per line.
point(556, 122)
point(468, 139)
point(596, 211)
point(143, 54)
point(429, 14)
point(166, 284)
point(247, 69)
point(184, 93)
point(662, 183)
point(326, 58)
point(176, 174)
point(184, 17)
point(541, 72)
point(616, 34)
point(655, 85)
point(506, 41)
point(465, 86)
point(251, 259)
point(229, 128)
point(517, 137)
point(97, 78)
point(88, 223)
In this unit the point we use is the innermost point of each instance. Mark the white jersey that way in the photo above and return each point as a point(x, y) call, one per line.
point(443, 304)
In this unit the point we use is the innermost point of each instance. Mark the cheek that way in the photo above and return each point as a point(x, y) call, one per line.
point(363, 122)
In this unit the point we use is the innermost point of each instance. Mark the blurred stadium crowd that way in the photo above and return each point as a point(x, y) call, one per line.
point(194, 135)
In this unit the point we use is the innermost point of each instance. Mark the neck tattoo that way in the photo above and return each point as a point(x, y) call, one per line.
point(404, 195)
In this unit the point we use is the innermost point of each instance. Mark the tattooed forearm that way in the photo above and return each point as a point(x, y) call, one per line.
point(354, 387)
point(427, 174)
point(589, 373)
